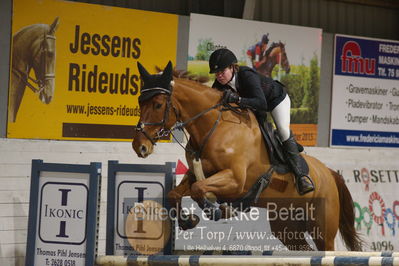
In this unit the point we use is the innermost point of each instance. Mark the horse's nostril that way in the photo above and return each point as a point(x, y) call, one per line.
point(143, 149)
point(46, 99)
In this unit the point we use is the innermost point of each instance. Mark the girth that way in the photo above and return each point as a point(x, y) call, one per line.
point(252, 196)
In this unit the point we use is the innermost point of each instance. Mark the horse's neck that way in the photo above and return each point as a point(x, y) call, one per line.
point(191, 99)
point(20, 56)
point(276, 52)
point(20, 67)
point(26, 44)
point(23, 50)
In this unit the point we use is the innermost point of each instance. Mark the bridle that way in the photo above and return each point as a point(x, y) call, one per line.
point(163, 131)
point(40, 81)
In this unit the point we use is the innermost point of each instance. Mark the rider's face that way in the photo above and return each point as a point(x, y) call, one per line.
point(225, 75)
point(264, 46)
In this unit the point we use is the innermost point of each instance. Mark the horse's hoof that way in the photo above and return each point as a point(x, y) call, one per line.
point(213, 212)
point(227, 211)
point(217, 215)
point(188, 222)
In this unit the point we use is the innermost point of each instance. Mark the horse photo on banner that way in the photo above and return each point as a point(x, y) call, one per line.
point(290, 54)
point(33, 47)
point(74, 68)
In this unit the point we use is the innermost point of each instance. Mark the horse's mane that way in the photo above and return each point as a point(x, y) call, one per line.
point(183, 74)
point(279, 43)
point(25, 36)
point(187, 75)
point(191, 80)
point(30, 27)
point(195, 81)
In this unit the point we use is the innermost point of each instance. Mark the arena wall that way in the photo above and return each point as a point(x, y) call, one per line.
point(15, 171)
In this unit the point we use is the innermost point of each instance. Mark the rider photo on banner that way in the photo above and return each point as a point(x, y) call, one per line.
point(290, 54)
point(365, 93)
point(74, 68)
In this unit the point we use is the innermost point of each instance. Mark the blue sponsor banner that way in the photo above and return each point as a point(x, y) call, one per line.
point(366, 58)
point(361, 138)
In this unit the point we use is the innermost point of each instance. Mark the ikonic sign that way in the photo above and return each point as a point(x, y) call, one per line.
point(62, 214)
point(62, 217)
point(138, 219)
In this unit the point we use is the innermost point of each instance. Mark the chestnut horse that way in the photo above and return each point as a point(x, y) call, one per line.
point(33, 47)
point(233, 156)
point(277, 55)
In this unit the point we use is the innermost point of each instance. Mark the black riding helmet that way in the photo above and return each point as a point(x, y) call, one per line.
point(265, 38)
point(220, 59)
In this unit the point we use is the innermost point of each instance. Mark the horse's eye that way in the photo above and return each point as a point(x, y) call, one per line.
point(158, 105)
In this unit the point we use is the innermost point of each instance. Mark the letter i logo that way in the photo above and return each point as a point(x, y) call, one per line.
point(64, 202)
point(140, 191)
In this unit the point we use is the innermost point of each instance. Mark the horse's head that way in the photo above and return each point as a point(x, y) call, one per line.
point(43, 62)
point(155, 110)
point(284, 58)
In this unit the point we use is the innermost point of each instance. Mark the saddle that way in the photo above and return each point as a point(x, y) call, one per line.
point(276, 152)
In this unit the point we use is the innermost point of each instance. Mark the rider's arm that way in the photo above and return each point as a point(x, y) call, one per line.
point(254, 96)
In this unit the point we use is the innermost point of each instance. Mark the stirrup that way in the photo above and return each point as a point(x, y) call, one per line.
point(301, 193)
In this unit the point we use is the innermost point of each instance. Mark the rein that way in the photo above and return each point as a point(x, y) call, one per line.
point(25, 77)
point(180, 126)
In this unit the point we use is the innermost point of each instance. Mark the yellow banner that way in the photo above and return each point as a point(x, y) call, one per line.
point(74, 68)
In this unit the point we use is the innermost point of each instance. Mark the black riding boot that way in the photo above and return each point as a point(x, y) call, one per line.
point(303, 182)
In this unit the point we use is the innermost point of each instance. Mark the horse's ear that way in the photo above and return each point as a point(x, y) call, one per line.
point(143, 72)
point(168, 71)
point(54, 26)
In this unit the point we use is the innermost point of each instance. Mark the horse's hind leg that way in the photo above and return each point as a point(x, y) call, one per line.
point(322, 235)
point(323, 226)
point(293, 236)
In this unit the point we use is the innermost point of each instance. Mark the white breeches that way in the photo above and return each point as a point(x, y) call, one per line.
point(281, 116)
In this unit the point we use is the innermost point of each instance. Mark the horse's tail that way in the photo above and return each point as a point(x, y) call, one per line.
point(352, 239)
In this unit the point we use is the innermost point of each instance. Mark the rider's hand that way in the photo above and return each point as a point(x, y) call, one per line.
point(231, 97)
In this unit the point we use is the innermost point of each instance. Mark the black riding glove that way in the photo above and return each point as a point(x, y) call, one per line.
point(231, 97)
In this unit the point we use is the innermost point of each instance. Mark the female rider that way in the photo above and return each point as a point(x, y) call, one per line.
point(247, 88)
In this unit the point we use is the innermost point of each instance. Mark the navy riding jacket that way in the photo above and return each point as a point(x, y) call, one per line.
point(258, 92)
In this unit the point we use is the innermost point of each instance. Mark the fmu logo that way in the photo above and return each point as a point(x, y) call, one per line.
point(353, 62)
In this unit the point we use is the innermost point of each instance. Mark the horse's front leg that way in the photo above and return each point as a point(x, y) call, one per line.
point(224, 184)
point(185, 221)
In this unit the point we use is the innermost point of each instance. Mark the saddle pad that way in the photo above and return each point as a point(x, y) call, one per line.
point(278, 185)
